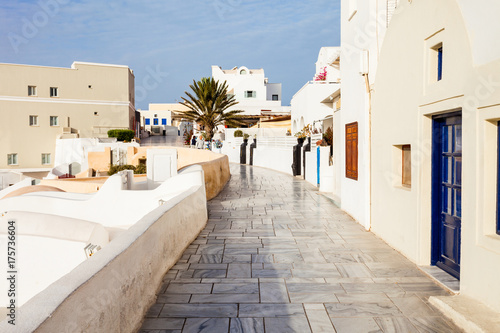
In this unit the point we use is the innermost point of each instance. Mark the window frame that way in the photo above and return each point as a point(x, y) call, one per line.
point(277, 97)
point(253, 94)
point(49, 159)
point(405, 148)
point(439, 51)
point(10, 158)
point(351, 150)
point(54, 89)
point(35, 117)
point(155, 121)
point(32, 91)
point(56, 124)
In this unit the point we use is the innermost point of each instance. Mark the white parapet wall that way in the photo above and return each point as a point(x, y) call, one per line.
point(112, 291)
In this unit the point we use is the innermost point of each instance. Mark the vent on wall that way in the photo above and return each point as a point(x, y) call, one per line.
point(391, 7)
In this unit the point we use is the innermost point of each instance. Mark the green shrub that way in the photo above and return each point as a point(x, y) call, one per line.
point(138, 170)
point(246, 136)
point(238, 134)
point(121, 134)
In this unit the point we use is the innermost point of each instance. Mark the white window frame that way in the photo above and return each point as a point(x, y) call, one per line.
point(12, 159)
point(250, 94)
point(54, 92)
point(35, 118)
point(46, 158)
point(32, 91)
point(56, 122)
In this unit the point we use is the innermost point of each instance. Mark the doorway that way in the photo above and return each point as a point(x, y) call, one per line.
point(447, 192)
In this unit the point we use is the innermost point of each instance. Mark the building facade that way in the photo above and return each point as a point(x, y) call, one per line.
point(315, 100)
point(250, 87)
point(435, 141)
point(41, 104)
point(362, 33)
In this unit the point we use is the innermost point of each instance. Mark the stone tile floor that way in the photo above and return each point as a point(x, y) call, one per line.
point(276, 256)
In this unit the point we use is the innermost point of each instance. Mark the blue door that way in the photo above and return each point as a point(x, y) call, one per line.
point(447, 192)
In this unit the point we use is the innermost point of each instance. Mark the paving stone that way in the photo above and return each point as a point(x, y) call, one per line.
point(162, 323)
point(247, 325)
point(189, 288)
point(199, 310)
point(273, 293)
point(270, 310)
point(208, 325)
point(229, 288)
point(288, 324)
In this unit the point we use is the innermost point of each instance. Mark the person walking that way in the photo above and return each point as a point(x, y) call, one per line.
point(193, 141)
point(200, 142)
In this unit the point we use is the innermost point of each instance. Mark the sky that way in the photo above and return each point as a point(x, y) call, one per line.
point(169, 43)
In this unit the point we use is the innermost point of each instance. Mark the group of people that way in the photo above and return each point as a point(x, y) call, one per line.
point(198, 143)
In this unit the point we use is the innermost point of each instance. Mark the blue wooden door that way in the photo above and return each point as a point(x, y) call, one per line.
point(447, 192)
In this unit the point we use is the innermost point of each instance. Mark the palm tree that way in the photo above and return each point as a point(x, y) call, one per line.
point(208, 105)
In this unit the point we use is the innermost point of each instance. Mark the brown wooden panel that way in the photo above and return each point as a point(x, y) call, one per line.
point(351, 150)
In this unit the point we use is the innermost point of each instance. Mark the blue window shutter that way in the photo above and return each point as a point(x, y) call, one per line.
point(164, 121)
point(148, 121)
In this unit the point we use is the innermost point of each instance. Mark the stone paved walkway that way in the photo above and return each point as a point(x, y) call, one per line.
point(276, 256)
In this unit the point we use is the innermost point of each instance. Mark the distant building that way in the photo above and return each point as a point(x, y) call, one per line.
point(164, 119)
point(256, 96)
point(41, 104)
point(315, 102)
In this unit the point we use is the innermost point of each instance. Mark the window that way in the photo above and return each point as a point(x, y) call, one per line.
point(164, 121)
point(440, 63)
point(12, 159)
point(351, 151)
point(33, 120)
point(148, 121)
point(243, 72)
point(155, 121)
point(250, 94)
point(45, 158)
point(31, 90)
point(436, 62)
point(54, 121)
point(406, 179)
point(53, 92)
point(275, 98)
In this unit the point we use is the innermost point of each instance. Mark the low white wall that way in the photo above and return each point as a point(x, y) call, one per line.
point(129, 206)
point(112, 291)
point(311, 174)
point(279, 159)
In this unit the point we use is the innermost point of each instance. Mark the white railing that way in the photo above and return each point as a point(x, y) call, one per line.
point(277, 142)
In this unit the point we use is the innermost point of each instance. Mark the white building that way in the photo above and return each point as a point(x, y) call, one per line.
point(363, 29)
point(159, 119)
point(435, 144)
point(250, 87)
point(315, 100)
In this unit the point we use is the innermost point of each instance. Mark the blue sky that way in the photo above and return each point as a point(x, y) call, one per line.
point(177, 40)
